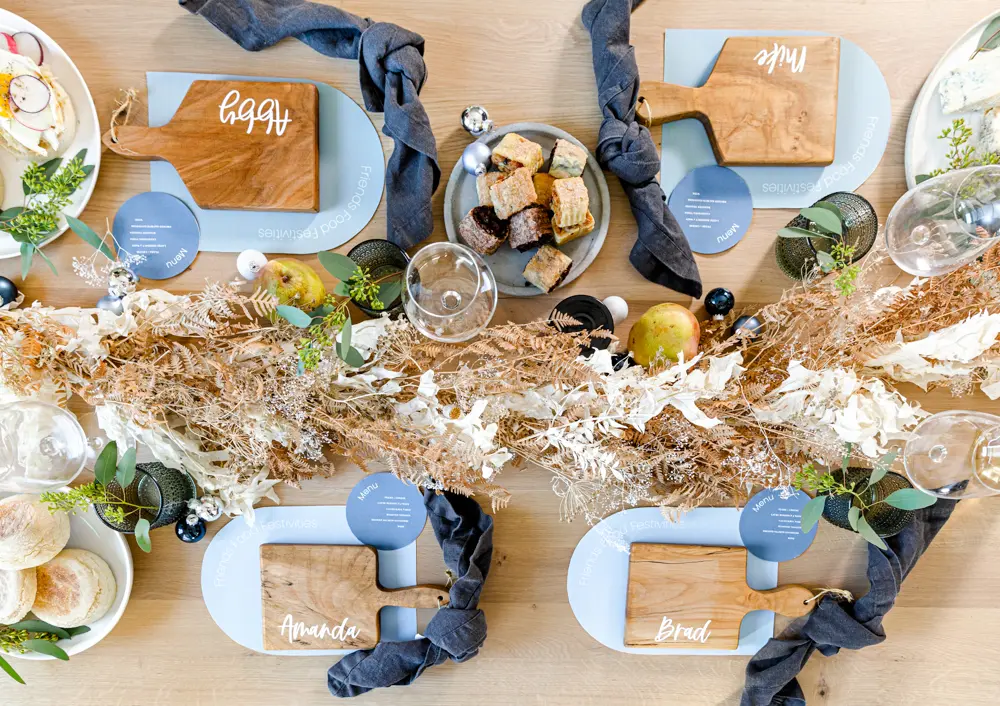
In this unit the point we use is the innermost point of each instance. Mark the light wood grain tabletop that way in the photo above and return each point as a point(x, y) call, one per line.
point(942, 646)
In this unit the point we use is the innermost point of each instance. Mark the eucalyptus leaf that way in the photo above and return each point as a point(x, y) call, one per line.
point(88, 235)
point(79, 630)
point(5, 665)
point(142, 535)
point(831, 207)
point(27, 252)
point(341, 289)
point(51, 167)
point(824, 218)
point(107, 463)
point(87, 169)
point(921, 178)
point(793, 232)
point(910, 499)
point(126, 468)
point(46, 648)
point(81, 155)
point(354, 358)
point(318, 314)
point(812, 512)
point(990, 38)
point(881, 468)
point(866, 531)
point(826, 261)
point(293, 315)
point(40, 626)
point(853, 515)
point(46, 260)
point(388, 292)
point(344, 342)
point(340, 266)
point(10, 213)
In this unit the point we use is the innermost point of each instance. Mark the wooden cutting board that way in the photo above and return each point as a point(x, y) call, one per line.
point(769, 100)
point(238, 144)
point(695, 597)
point(327, 597)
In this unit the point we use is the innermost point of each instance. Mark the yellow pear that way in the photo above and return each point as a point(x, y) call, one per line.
point(668, 328)
point(294, 283)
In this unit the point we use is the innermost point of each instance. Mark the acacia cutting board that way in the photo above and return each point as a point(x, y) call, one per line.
point(768, 100)
point(695, 597)
point(327, 597)
point(250, 145)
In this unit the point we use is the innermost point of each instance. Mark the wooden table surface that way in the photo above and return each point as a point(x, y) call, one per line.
point(941, 645)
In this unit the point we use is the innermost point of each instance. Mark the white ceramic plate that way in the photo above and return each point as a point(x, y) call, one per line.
point(507, 263)
point(924, 151)
point(88, 133)
point(88, 532)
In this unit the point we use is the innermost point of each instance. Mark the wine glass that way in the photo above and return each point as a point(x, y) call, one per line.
point(955, 455)
point(945, 222)
point(449, 293)
point(42, 447)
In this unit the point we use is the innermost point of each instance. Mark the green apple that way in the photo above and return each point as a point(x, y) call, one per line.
point(667, 328)
point(294, 283)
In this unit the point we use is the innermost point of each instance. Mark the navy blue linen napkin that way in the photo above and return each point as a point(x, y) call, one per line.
point(392, 74)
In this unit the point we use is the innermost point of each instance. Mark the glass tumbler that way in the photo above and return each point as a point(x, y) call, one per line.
point(42, 447)
point(157, 493)
point(955, 455)
point(449, 293)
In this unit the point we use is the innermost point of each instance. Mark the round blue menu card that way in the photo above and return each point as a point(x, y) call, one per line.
point(159, 228)
point(713, 207)
point(385, 512)
point(771, 524)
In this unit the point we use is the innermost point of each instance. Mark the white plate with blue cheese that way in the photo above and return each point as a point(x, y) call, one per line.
point(961, 86)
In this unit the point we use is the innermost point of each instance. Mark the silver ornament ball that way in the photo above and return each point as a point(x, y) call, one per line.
point(476, 120)
point(122, 281)
point(747, 327)
point(111, 303)
point(476, 158)
point(206, 507)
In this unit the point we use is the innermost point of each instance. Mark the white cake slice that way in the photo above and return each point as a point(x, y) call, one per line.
point(973, 86)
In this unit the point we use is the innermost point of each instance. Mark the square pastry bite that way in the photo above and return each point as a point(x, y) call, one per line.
point(514, 193)
point(548, 268)
point(530, 228)
point(568, 160)
point(482, 231)
point(570, 202)
point(515, 152)
point(543, 189)
point(483, 184)
point(564, 235)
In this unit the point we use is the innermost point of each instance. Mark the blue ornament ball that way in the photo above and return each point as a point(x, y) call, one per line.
point(191, 529)
point(8, 292)
point(719, 302)
point(748, 326)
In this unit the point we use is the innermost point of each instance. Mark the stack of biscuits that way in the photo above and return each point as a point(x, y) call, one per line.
point(64, 587)
point(531, 209)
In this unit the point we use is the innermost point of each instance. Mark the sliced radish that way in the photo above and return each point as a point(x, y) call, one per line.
point(11, 44)
point(29, 45)
point(35, 121)
point(29, 93)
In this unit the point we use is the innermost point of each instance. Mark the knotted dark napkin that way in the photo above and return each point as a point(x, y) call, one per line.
point(661, 254)
point(465, 534)
point(392, 74)
point(833, 625)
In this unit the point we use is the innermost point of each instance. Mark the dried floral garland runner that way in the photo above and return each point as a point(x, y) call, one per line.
point(209, 382)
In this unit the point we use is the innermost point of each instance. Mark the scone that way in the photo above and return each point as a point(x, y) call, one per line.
point(568, 160)
point(570, 202)
point(548, 268)
point(564, 235)
point(17, 594)
point(515, 193)
point(543, 189)
point(515, 152)
point(29, 533)
point(482, 231)
point(483, 184)
point(75, 588)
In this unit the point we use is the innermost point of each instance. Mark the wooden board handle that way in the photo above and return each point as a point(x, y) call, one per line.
point(136, 142)
point(665, 102)
point(416, 597)
point(789, 600)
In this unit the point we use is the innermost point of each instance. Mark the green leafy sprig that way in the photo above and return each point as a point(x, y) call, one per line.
point(48, 189)
point(961, 154)
point(826, 221)
point(333, 318)
point(114, 505)
point(826, 485)
point(34, 636)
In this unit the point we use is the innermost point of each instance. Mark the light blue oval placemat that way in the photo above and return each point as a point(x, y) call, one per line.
point(863, 114)
point(598, 573)
point(352, 175)
point(230, 571)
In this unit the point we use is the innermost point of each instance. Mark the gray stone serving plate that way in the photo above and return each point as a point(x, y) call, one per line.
point(507, 263)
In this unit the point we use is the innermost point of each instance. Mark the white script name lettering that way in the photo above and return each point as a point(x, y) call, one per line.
point(297, 630)
point(669, 631)
point(249, 112)
point(781, 55)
